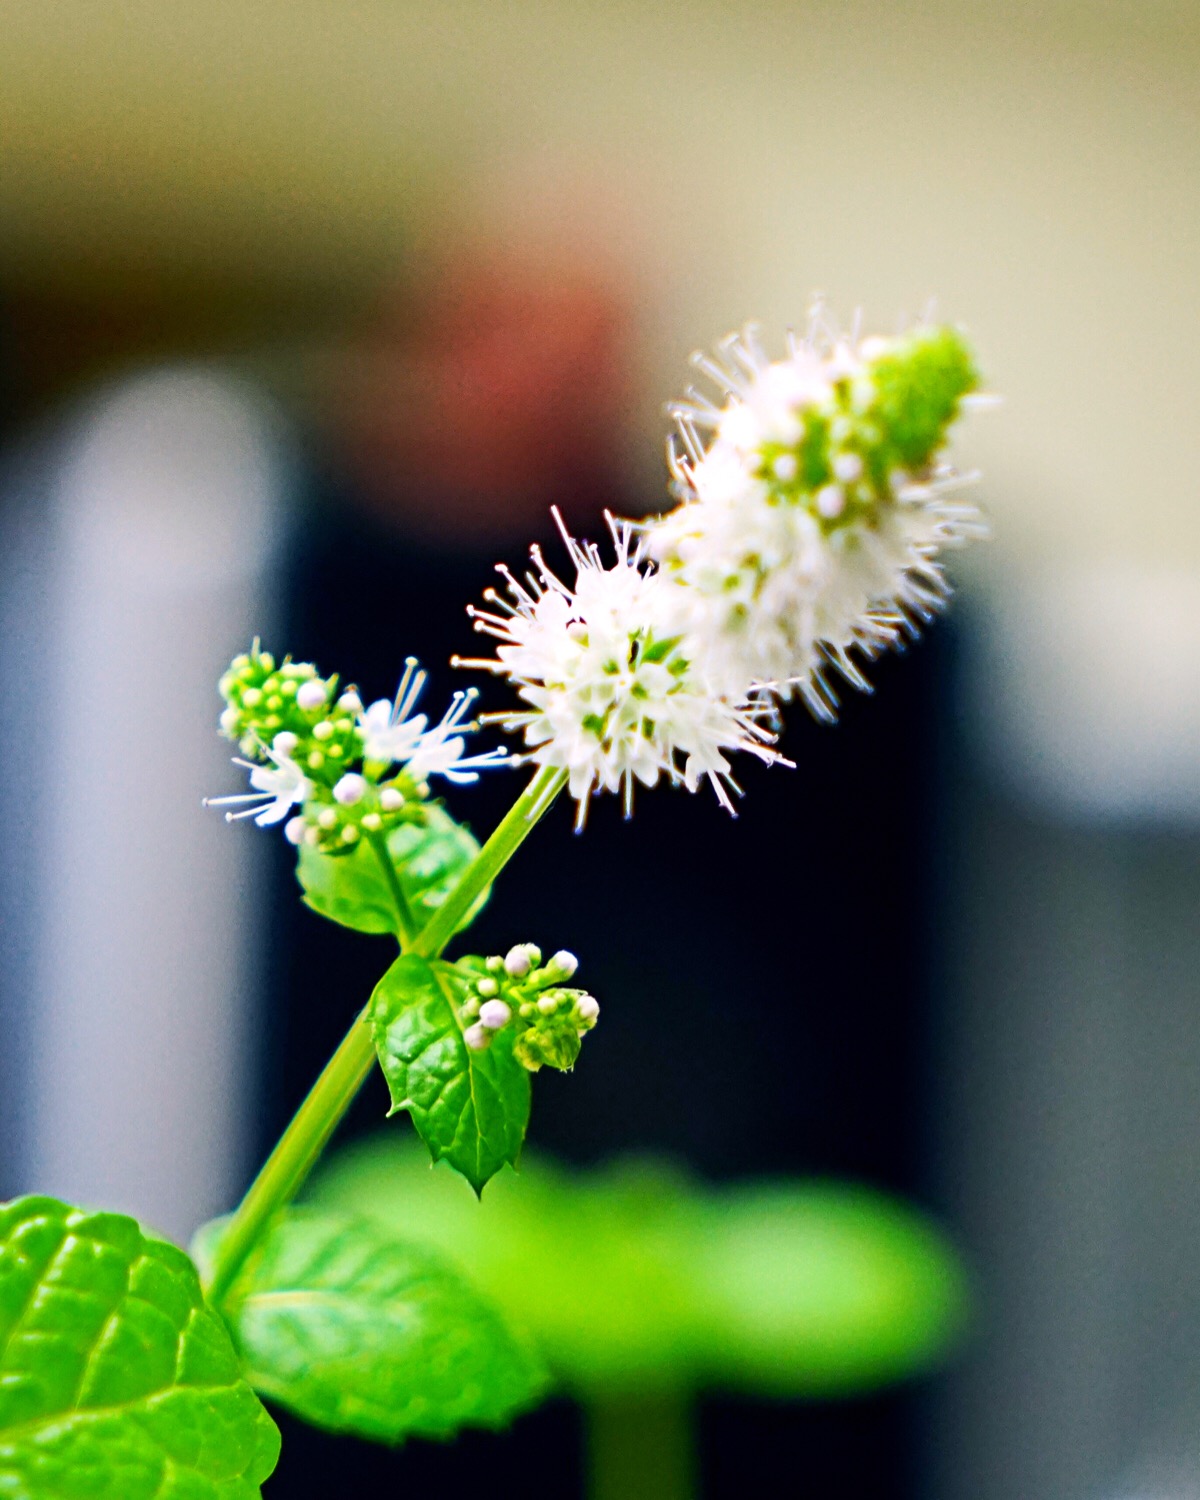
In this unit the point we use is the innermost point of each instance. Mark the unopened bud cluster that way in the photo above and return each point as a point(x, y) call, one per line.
point(520, 991)
point(336, 819)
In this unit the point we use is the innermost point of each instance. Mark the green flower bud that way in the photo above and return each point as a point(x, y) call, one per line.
point(521, 992)
point(883, 418)
point(552, 1045)
point(337, 818)
point(283, 711)
point(919, 382)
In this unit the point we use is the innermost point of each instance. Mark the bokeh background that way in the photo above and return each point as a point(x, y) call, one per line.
point(308, 312)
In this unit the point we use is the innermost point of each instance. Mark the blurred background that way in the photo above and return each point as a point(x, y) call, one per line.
point(308, 312)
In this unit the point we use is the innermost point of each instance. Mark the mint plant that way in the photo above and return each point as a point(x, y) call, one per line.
point(814, 501)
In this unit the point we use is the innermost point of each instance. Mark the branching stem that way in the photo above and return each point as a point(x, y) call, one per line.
point(300, 1146)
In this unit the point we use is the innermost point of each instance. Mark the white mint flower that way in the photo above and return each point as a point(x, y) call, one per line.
point(816, 501)
point(390, 731)
point(439, 751)
point(393, 734)
point(278, 788)
point(613, 699)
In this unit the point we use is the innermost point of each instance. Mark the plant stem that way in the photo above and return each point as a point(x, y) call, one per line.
point(300, 1146)
point(295, 1155)
point(641, 1447)
point(404, 916)
point(509, 835)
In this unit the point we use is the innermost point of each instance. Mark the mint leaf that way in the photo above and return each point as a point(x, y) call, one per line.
point(649, 1280)
point(116, 1381)
point(351, 889)
point(358, 1332)
point(472, 1108)
point(815, 1289)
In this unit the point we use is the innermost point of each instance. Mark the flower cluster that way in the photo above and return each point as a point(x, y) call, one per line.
point(613, 699)
point(338, 772)
point(521, 992)
point(814, 503)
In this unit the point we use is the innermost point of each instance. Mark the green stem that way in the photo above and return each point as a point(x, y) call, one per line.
point(404, 916)
point(297, 1151)
point(295, 1154)
point(510, 833)
point(641, 1447)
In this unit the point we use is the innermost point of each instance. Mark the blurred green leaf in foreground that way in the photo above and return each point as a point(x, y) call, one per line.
point(359, 1331)
point(637, 1278)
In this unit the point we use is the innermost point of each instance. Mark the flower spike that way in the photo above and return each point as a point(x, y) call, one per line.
point(614, 699)
point(816, 500)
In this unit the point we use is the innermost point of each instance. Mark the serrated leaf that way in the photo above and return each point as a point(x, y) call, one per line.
point(470, 1108)
point(116, 1381)
point(351, 888)
point(358, 1332)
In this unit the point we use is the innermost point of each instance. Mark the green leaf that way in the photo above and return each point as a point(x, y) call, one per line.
point(351, 888)
point(818, 1289)
point(471, 1108)
point(357, 1332)
point(116, 1381)
point(648, 1280)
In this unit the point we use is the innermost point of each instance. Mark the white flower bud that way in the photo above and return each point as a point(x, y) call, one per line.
point(831, 501)
point(487, 987)
point(293, 830)
point(350, 789)
point(547, 1004)
point(229, 720)
point(476, 1037)
point(327, 818)
point(519, 960)
point(587, 1008)
point(284, 742)
point(785, 467)
point(351, 702)
point(372, 822)
point(311, 694)
point(563, 963)
point(493, 1014)
point(391, 799)
point(323, 730)
point(847, 467)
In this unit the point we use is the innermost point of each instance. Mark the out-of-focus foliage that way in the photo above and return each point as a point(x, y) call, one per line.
point(358, 1331)
point(638, 1278)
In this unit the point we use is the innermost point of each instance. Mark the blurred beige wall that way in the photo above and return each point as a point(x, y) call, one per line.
point(1034, 166)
